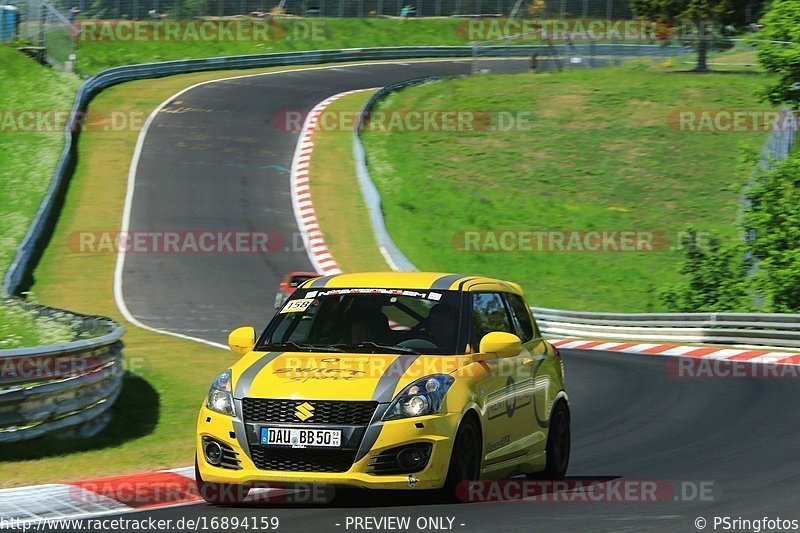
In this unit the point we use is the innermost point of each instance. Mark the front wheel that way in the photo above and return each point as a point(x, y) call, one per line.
point(220, 493)
point(465, 459)
point(558, 444)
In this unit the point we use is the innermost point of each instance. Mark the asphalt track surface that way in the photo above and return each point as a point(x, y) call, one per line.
point(213, 161)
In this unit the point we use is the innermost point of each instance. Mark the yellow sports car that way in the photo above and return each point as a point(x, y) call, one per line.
point(389, 381)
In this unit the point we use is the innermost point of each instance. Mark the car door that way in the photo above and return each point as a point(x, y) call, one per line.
point(534, 359)
point(506, 393)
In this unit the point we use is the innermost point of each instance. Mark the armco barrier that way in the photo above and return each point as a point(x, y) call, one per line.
point(372, 198)
point(67, 387)
point(18, 275)
point(762, 329)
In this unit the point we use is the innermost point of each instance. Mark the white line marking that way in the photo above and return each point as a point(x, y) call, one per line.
point(606, 346)
point(573, 344)
point(679, 350)
point(639, 348)
point(125, 228)
point(722, 354)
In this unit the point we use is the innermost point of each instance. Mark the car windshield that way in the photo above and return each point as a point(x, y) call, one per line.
point(367, 321)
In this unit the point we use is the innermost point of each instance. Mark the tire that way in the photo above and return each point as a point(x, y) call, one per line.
point(558, 444)
point(465, 459)
point(220, 493)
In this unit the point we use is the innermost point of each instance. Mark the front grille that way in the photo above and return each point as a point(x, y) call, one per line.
point(302, 459)
point(259, 410)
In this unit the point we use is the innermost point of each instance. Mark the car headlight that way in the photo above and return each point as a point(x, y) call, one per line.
point(220, 396)
point(423, 397)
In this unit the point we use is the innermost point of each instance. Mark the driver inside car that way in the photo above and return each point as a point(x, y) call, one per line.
point(368, 324)
point(441, 325)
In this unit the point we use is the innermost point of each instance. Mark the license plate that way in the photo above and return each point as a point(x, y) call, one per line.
point(302, 437)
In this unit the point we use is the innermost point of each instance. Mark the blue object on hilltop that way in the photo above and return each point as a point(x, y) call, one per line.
point(9, 16)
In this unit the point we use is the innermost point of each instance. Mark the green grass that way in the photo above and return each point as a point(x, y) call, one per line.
point(304, 34)
point(27, 161)
point(20, 327)
point(599, 156)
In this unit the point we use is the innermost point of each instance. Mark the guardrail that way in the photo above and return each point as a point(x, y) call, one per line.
point(63, 387)
point(762, 329)
point(18, 275)
point(372, 198)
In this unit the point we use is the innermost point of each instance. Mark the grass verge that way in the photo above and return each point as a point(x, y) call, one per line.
point(338, 202)
point(97, 51)
point(27, 160)
point(600, 155)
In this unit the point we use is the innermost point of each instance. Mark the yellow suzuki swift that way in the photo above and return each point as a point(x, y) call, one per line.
point(388, 381)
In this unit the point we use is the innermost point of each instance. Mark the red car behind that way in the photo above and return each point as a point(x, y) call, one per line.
point(289, 283)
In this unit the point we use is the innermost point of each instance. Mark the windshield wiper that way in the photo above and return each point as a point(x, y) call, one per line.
point(370, 344)
point(298, 346)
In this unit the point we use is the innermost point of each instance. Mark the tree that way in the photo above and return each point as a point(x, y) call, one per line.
point(702, 17)
point(714, 278)
point(773, 217)
point(782, 23)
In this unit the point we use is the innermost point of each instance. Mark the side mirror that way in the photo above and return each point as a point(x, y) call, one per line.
point(498, 344)
point(242, 340)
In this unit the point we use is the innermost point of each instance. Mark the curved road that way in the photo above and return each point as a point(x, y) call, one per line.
point(212, 160)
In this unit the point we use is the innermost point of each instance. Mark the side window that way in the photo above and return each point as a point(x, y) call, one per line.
point(522, 317)
point(488, 314)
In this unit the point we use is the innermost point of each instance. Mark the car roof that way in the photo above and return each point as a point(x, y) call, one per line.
point(308, 274)
point(412, 280)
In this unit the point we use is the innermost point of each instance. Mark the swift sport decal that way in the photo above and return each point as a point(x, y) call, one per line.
point(509, 399)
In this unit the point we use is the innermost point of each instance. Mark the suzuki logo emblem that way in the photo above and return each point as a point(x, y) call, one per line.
point(304, 411)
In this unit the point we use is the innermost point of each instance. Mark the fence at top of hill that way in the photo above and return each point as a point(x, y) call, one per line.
point(188, 9)
point(56, 27)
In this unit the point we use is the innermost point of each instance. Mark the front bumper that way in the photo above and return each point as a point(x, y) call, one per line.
point(437, 430)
